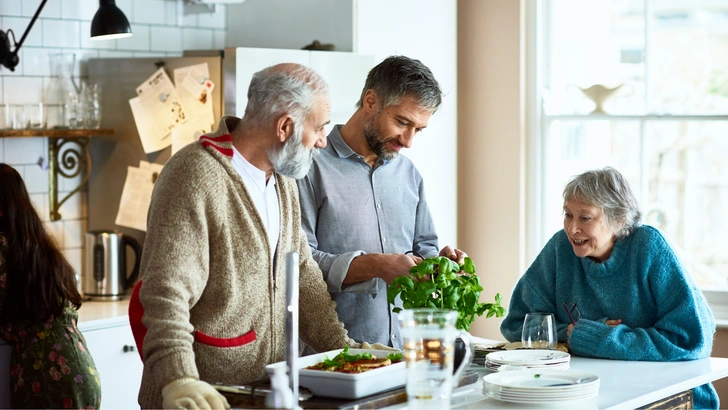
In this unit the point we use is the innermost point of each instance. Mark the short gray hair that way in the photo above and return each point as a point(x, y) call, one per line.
point(607, 189)
point(286, 88)
point(397, 77)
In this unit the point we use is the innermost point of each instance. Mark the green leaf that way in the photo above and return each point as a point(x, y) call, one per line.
point(468, 265)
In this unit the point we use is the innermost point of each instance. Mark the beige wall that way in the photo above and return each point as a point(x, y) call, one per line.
point(491, 146)
point(720, 349)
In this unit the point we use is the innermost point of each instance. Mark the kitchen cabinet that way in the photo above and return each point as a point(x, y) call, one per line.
point(118, 364)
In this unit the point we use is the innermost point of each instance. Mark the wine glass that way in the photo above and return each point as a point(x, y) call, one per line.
point(539, 331)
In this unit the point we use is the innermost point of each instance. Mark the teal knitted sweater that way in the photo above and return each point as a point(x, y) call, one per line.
point(664, 316)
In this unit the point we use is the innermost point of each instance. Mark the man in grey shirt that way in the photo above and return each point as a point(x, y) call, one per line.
point(363, 206)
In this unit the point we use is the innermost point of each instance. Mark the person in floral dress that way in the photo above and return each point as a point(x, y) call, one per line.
point(50, 365)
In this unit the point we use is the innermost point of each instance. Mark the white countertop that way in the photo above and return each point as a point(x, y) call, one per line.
point(95, 315)
point(623, 384)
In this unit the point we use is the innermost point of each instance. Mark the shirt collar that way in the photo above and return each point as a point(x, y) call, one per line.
point(251, 170)
point(341, 148)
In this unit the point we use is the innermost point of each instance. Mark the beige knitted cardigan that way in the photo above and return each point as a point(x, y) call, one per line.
point(214, 304)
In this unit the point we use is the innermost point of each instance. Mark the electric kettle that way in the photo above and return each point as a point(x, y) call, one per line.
point(105, 275)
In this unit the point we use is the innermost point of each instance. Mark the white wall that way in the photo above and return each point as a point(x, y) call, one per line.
point(290, 24)
point(64, 25)
point(425, 30)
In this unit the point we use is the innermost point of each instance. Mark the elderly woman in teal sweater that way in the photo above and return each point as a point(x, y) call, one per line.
point(619, 281)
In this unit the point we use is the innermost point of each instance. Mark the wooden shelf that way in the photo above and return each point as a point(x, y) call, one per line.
point(58, 133)
point(62, 160)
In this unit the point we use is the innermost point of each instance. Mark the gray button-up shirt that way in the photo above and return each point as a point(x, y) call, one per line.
point(348, 209)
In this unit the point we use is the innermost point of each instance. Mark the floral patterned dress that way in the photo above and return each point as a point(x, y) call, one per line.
point(50, 366)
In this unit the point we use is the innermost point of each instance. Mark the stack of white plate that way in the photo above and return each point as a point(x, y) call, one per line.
point(540, 386)
point(527, 359)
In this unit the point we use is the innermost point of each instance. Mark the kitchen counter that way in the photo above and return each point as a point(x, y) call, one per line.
point(102, 314)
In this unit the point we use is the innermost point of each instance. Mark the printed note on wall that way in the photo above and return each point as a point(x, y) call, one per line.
point(137, 195)
point(194, 88)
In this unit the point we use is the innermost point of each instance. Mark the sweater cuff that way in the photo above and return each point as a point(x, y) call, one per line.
point(587, 336)
point(175, 366)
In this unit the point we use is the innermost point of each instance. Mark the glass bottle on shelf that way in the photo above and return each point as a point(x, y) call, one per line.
point(62, 94)
point(91, 105)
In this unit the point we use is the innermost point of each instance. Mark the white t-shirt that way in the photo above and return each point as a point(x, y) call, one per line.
point(263, 194)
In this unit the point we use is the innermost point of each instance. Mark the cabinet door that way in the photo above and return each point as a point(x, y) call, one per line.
point(118, 364)
point(248, 61)
point(345, 74)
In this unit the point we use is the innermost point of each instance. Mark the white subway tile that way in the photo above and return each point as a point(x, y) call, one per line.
point(21, 90)
point(78, 9)
point(146, 54)
point(72, 231)
point(196, 39)
point(189, 20)
point(213, 20)
point(61, 33)
point(19, 24)
point(138, 41)
point(37, 61)
point(36, 179)
point(166, 39)
point(52, 9)
point(2, 149)
point(115, 54)
point(218, 39)
point(74, 258)
point(172, 10)
point(86, 41)
point(11, 8)
point(20, 151)
point(148, 12)
point(40, 203)
point(55, 229)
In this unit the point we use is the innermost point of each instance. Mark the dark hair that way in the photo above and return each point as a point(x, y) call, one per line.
point(399, 76)
point(40, 281)
point(607, 189)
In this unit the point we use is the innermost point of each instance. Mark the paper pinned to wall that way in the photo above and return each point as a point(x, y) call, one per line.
point(137, 195)
point(187, 134)
point(157, 110)
point(194, 88)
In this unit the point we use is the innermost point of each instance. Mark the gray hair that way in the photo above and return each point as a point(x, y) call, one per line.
point(286, 88)
point(607, 189)
point(397, 77)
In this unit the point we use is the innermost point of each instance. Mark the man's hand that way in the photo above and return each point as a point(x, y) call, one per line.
point(188, 393)
point(454, 254)
point(377, 346)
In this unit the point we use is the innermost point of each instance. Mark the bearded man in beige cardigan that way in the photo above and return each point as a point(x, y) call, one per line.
point(223, 215)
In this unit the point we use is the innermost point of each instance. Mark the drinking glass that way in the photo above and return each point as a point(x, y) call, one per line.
point(429, 337)
point(539, 331)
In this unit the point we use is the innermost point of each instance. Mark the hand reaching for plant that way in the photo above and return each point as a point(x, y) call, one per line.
point(454, 254)
point(379, 265)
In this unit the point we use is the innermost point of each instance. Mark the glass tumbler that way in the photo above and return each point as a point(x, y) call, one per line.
point(539, 331)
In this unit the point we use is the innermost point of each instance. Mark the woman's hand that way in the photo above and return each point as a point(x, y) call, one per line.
point(568, 331)
point(613, 322)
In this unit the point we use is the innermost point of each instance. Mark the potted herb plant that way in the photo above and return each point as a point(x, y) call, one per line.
point(441, 283)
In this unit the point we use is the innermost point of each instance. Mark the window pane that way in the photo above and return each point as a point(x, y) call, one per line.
point(592, 42)
point(688, 54)
point(688, 194)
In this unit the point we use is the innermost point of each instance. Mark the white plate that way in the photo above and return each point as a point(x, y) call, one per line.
point(526, 357)
point(541, 380)
point(347, 385)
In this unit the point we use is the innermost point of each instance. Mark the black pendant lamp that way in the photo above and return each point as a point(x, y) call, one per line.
point(109, 22)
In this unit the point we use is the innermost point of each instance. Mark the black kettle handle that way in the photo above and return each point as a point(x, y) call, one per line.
point(134, 275)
